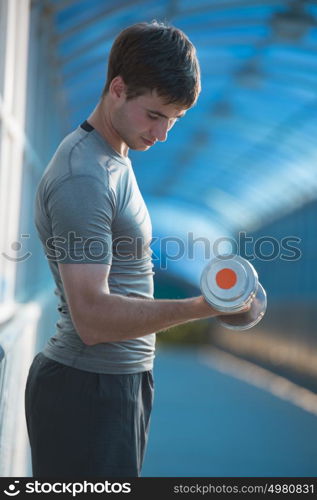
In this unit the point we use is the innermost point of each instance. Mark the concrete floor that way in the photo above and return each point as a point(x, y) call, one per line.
point(210, 424)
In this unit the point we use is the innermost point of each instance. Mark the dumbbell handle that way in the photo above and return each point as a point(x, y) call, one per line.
point(250, 318)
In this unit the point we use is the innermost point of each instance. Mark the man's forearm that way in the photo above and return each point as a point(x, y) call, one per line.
point(113, 318)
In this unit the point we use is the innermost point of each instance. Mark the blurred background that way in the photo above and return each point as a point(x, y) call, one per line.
point(238, 172)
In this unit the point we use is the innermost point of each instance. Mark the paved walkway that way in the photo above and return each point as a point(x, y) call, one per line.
point(211, 424)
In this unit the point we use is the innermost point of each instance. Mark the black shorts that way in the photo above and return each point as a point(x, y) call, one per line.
point(85, 424)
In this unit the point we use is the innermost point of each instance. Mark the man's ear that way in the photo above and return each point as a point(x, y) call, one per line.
point(117, 88)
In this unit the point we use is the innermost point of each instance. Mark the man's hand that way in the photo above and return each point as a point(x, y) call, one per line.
point(207, 309)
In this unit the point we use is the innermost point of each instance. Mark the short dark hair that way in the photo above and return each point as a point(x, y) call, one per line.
point(155, 56)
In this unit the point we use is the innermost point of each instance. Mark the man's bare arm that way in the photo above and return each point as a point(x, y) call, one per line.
point(103, 317)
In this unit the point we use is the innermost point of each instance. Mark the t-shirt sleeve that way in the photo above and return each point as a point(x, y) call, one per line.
point(81, 210)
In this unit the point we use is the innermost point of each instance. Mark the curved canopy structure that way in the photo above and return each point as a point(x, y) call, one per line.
point(245, 153)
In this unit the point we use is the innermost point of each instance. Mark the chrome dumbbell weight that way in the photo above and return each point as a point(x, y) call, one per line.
point(229, 283)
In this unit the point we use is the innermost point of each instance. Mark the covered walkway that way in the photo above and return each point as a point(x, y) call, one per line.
point(210, 423)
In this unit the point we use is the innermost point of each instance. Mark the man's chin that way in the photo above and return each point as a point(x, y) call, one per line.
point(139, 147)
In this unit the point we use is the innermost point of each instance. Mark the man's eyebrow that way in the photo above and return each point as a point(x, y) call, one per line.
point(164, 116)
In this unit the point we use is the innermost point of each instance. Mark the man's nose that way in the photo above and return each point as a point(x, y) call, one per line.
point(160, 131)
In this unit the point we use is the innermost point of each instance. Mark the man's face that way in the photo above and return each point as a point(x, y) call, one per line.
point(144, 120)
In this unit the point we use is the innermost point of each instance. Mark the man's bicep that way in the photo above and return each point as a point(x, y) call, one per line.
point(83, 283)
point(81, 212)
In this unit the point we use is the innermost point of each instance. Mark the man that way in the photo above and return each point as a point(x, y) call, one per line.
point(89, 393)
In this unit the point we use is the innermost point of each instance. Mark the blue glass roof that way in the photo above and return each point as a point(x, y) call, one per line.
point(246, 151)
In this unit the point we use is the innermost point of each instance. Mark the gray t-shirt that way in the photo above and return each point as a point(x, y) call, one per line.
point(89, 210)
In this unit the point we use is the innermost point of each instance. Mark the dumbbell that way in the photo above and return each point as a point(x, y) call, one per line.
point(229, 283)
